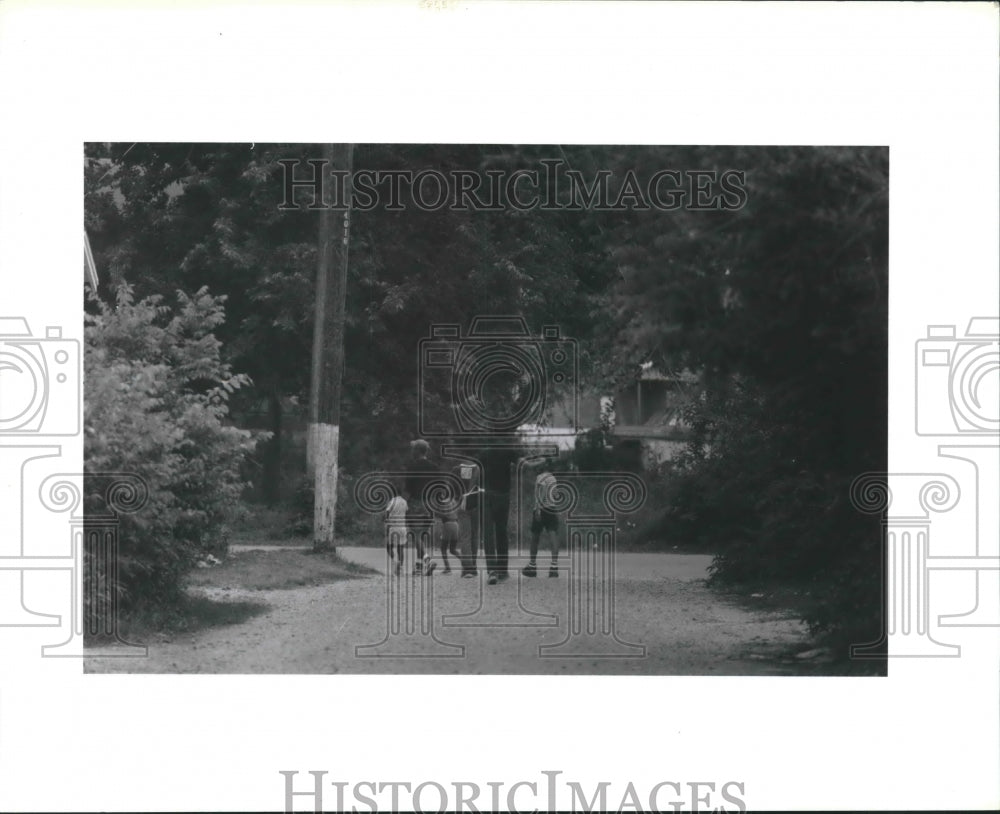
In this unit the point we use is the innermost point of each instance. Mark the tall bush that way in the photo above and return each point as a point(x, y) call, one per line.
point(156, 392)
point(774, 517)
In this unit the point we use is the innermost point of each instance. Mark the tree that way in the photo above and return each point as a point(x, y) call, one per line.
point(181, 216)
point(781, 306)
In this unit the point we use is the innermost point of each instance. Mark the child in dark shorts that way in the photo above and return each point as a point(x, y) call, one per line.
point(449, 538)
point(543, 519)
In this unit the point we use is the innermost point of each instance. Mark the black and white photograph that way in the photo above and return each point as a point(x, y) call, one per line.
point(487, 408)
point(438, 405)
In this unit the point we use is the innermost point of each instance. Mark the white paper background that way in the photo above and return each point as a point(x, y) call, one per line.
point(921, 78)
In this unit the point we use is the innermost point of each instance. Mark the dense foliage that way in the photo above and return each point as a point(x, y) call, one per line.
point(156, 407)
point(782, 308)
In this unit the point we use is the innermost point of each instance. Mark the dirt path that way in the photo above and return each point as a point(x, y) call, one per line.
point(661, 603)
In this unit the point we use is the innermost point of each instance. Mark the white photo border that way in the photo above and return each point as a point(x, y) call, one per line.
point(920, 78)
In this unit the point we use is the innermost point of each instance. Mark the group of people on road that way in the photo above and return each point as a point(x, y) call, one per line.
point(484, 505)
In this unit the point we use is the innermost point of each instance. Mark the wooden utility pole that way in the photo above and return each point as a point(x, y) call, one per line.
point(328, 345)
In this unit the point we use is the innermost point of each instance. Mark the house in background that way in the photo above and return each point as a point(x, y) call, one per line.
point(565, 419)
point(645, 419)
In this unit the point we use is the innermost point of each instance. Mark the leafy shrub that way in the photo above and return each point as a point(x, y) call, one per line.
point(156, 407)
point(774, 515)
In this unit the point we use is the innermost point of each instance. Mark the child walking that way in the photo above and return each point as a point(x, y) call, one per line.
point(543, 519)
point(469, 475)
point(395, 530)
point(449, 537)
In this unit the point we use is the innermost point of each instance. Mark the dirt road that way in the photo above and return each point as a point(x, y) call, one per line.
point(665, 622)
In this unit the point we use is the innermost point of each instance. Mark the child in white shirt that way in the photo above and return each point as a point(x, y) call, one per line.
point(395, 530)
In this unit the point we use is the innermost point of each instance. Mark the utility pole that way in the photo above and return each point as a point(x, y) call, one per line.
point(328, 346)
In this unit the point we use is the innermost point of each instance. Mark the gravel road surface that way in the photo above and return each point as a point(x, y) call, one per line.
point(665, 622)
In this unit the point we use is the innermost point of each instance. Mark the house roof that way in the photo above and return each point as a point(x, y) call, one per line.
point(651, 373)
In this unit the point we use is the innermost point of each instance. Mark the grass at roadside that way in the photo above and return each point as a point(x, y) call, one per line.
point(244, 570)
point(189, 615)
point(270, 570)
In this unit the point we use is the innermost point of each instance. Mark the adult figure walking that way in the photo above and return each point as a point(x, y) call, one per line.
point(497, 463)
